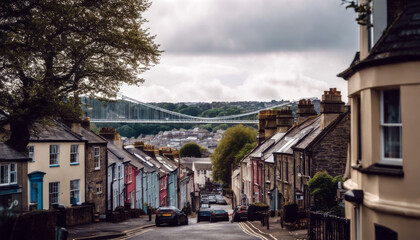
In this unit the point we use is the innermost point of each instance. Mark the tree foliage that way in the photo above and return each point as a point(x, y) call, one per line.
point(233, 141)
point(191, 150)
point(53, 51)
point(324, 189)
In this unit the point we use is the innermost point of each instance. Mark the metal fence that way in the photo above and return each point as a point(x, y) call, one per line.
point(327, 227)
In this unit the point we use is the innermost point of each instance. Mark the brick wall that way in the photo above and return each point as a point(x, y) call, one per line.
point(94, 176)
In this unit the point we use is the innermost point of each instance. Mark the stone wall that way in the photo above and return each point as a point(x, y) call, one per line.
point(79, 215)
point(29, 225)
point(330, 154)
point(95, 176)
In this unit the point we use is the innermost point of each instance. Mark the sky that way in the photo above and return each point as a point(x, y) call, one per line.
point(247, 50)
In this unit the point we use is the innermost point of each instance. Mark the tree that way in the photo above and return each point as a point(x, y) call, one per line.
point(323, 190)
point(53, 51)
point(233, 141)
point(190, 150)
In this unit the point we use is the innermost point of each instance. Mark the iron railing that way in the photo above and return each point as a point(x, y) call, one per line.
point(327, 227)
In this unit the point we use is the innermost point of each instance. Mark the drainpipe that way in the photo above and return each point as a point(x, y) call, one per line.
point(294, 179)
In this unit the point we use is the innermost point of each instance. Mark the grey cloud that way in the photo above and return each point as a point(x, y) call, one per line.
point(245, 26)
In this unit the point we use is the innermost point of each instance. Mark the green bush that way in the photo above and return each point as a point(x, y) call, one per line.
point(255, 210)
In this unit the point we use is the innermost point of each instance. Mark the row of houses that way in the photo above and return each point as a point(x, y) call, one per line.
point(69, 164)
point(290, 152)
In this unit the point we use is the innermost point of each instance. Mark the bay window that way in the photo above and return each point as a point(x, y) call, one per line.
point(391, 127)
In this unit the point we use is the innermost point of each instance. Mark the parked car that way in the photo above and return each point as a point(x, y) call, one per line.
point(240, 213)
point(219, 215)
point(205, 205)
point(220, 200)
point(204, 200)
point(204, 214)
point(170, 215)
point(212, 199)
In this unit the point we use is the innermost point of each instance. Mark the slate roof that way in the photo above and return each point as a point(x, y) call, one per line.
point(142, 157)
point(55, 131)
point(124, 156)
point(399, 43)
point(295, 134)
point(317, 134)
point(188, 161)
point(8, 154)
point(92, 137)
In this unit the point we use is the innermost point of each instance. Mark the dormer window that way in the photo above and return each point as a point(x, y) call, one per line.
point(391, 127)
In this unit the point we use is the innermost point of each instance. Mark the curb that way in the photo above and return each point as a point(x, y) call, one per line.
point(113, 235)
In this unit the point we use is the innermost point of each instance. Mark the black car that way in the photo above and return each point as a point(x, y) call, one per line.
point(240, 213)
point(204, 214)
point(219, 215)
point(170, 215)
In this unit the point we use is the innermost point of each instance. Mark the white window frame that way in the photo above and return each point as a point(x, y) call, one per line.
point(99, 188)
point(75, 190)
point(130, 171)
point(9, 173)
point(74, 155)
point(384, 160)
point(97, 158)
point(31, 152)
point(57, 154)
point(53, 193)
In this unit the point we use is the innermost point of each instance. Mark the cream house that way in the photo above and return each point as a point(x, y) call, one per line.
point(56, 173)
point(383, 198)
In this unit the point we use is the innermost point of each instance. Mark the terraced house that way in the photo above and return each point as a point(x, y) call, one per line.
point(384, 90)
point(56, 151)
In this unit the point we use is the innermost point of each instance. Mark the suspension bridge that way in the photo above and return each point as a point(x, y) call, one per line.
point(129, 110)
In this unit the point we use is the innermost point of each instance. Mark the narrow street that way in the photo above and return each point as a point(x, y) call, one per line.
point(202, 230)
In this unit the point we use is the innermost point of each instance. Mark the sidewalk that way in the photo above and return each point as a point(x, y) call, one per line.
point(107, 230)
point(277, 231)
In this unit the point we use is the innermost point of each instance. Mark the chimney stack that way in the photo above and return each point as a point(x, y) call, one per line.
point(267, 124)
point(86, 123)
point(284, 119)
point(331, 106)
point(305, 110)
point(112, 136)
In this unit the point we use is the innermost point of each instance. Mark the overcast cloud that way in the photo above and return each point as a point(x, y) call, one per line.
point(228, 50)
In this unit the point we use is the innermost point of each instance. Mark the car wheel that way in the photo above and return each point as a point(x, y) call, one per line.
point(157, 224)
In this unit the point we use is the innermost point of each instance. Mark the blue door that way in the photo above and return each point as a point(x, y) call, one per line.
point(36, 180)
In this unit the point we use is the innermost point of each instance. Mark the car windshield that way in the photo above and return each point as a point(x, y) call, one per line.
point(219, 211)
point(205, 205)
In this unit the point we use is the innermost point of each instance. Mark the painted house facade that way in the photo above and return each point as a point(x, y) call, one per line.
point(13, 179)
point(382, 201)
point(56, 151)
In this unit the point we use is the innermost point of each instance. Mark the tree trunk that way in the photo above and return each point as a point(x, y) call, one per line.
point(20, 135)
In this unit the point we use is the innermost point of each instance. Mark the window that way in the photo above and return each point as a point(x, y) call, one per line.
point(98, 187)
point(287, 171)
point(281, 170)
point(74, 154)
point(54, 189)
point(54, 154)
point(74, 191)
point(31, 151)
point(129, 174)
point(8, 174)
point(391, 127)
point(119, 172)
point(97, 157)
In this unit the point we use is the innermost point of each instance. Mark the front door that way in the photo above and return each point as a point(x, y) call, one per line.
point(36, 180)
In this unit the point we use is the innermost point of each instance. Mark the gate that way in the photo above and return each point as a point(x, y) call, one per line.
point(327, 227)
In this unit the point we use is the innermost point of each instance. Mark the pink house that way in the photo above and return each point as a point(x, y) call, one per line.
point(130, 184)
point(256, 180)
point(163, 191)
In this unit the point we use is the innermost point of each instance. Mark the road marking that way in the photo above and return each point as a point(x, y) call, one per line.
point(131, 233)
point(246, 231)
point(255, 234)
point(260, 230)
